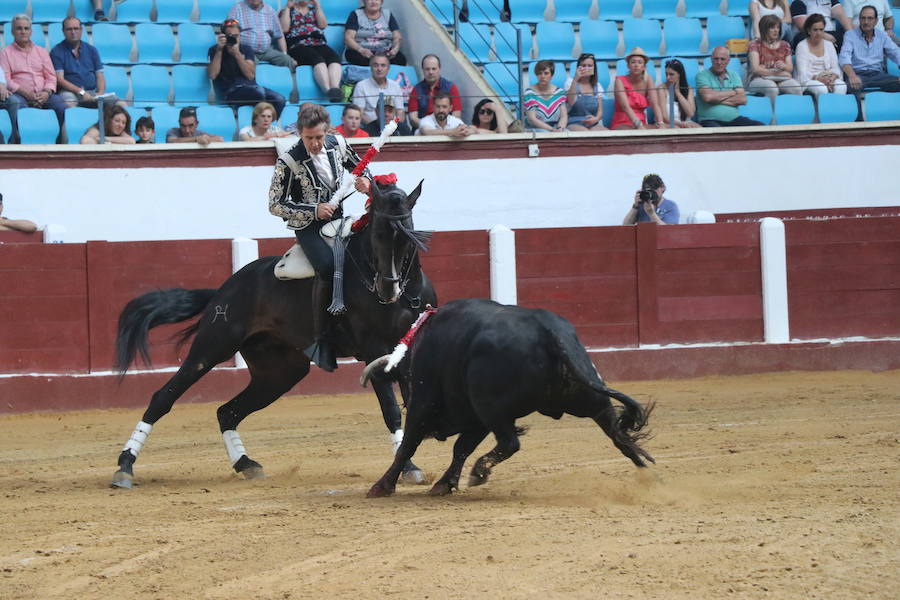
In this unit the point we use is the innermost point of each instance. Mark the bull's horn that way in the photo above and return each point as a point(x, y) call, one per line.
point(378, 363)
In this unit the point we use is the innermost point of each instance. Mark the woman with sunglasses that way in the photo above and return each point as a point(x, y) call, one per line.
point(484, 118)
point(818, 70)
point(584, 96)
point(684, 97)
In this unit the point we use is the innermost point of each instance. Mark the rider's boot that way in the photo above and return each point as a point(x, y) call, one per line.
point(321, 351)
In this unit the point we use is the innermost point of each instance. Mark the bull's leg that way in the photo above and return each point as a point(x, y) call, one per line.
point(390, 411)
point(465, 445)
point(388, 482)
point(507, 445)
point(608, 420)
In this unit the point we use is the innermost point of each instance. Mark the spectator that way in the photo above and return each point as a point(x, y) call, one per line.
point(116, 127)
point(818, 70)
point(372, 30)
point(421, 100)
point(779, 8)
point(4, 94)
point(303, 23)
point(634, 93)
point(649, 204)
point(830, 9)
point(685, 107)
point(79, 70)
point(886, 21)
point(545, 104)
point(263, 125)
point(23, 225)
point(233, 71)
point(864, 55)
point(719, 93)
point(187, 131)
point(374, 128)
point(145, 129)
point(350, 122)
point(259, 27)
point(99, 15)
point(770, 63)
point(584, 96)
point(486, 119)
point(366, 92)
point(442, 122)
point(29, 74)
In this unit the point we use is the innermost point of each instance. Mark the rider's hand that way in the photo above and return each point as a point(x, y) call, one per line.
point(324, 211)
point(363, 185)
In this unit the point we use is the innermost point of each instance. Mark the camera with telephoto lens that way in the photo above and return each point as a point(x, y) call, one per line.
point(231, 40)
point(648, 194)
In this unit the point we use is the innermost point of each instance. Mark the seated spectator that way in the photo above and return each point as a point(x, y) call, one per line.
point(116, 128)
point(29, 74)
point(187, 131)
point(367, 91)
point(442, 122)
point(259, 27)
point(23, 225)
point(351, 119)
point(303, 23)
point(836, 21)
point(374, 128)
point(99, 15)
point(372, 30)
point(649, 204)
point(864, 54)
point(421, 100)
point(685, 107)
point(485, 118)
point(263, 125)
point(770, 63)
point(719, 93)
point(584, 96)
point(635, 92)
point(818, 70)
point(145, 130)
point(79, 70)
point(779, 8)
point(545, 104)
point(885, 21)
point(4, 94)
point(233, 71)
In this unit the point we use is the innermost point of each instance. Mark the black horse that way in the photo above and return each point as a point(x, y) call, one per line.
point(270, 323)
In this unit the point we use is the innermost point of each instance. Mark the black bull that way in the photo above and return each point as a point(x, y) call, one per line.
point(476, 366)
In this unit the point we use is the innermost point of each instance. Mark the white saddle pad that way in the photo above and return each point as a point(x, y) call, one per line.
point(295, 265)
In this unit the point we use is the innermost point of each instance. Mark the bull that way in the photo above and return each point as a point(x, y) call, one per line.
point(475, 366)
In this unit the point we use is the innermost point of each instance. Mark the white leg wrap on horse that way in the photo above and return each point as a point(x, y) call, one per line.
point(396, 439)
point(138, 438)
point(233, 445)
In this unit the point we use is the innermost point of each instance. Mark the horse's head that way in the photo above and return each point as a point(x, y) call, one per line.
point(394, 241)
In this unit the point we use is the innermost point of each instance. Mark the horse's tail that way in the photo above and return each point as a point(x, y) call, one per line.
point(145, 312)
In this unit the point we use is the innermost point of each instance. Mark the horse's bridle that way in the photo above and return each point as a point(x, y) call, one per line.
point(406, 264)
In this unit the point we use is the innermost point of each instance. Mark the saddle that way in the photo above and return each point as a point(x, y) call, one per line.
point(295, 265)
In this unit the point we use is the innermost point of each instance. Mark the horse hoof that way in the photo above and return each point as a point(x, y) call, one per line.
point(254, 473)
point(122, 480)
point(476, 480)
point(440, 489)
point(249, 468)
point(413, 477)
point(379, 491)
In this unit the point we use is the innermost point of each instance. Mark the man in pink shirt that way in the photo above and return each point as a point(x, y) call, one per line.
point(30, 77)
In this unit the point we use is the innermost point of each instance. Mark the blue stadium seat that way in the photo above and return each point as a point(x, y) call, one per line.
point(409, 70)
point(155, 43)
point(758, 108)
point(37, 126)
point(5, 126)
point(214, 11)
point(882, 106)
point(485, 11)
point(719, 29)
point(276, 78)
point(289, 115)
point(133, 11)
point(838, 108)
point(616, 10)
point(11, 8)
point(55, 35)
point(217, 120)
point(442, 10)
point(658, 9)
point(609, 109)
point(136, 113)
point(194, 42)
point(505, 42)
point(523, 11)
point(792, 109)
point(49, 11)
point(190, 84)
point(335, 112)
point(334, 36)
point(307, 88)
point(734, 65)
point(78, 120)
point(600, 38)
point(736, 8)
point(645, 33)
point(707, 8)
point(505, 79)
point(691, 68)
point(164, 117)
point(573, 11)
point(116, 80)
point(603, 75)
point(84, 9)
point(7, 33)
point(555, 41)
point(337, 11)
point(893, 68)
point(173, 11)
point(622, 69)
point(150, 85)
point(244, 116)
point(113, 41)
point(475, 41)
point(683, 36)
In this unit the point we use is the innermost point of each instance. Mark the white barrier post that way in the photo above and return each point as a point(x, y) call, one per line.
point(503, 264)
point(243, 252)
point(773, 256)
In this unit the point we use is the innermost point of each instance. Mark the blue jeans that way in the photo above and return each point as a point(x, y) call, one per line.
point(251, 94)
point(878, 79)
point(17, 101)
point(739, 122)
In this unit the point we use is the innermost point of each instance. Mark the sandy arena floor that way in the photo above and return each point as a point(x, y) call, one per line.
point(770, 486)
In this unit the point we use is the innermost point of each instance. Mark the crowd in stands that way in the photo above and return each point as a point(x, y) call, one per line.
point(811, 47)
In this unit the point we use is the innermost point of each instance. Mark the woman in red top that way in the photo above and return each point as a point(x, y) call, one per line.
point(770, 63)
point(634, 93)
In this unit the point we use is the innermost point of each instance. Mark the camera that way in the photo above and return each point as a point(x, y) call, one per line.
point(648, 194)
point(231, 40)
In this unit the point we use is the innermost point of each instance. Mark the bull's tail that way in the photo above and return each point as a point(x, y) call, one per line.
point(156, 308)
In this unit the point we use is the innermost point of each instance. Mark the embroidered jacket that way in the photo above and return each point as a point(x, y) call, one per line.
point(296, 187)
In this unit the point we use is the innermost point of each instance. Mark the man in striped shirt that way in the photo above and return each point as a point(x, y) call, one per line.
point(259, 28)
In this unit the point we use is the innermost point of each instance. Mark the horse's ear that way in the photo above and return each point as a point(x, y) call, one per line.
point(414, 195)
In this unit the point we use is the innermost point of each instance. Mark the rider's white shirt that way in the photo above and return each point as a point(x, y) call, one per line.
point(323, 168)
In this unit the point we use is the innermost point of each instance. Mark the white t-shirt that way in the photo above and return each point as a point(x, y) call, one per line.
point(365, 96)
point(248, 130)
point(430, 122)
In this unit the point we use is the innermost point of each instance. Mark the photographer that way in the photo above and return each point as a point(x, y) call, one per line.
point(233, 72)
point(650, 206)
